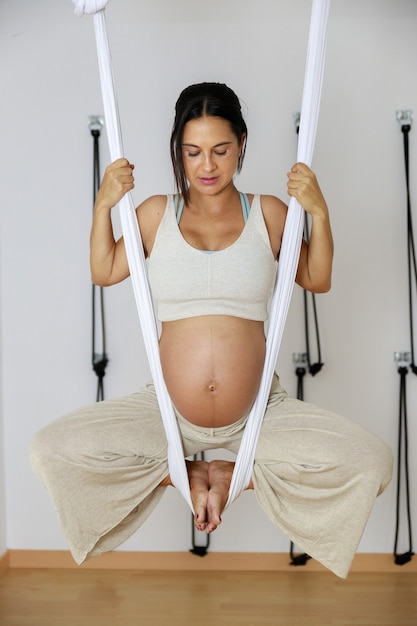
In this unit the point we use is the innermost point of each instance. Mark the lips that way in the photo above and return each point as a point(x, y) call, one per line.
point(209, 181)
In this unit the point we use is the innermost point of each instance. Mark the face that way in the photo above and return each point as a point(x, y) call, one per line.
point(210, 152)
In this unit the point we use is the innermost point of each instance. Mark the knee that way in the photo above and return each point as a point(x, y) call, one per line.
point(385, 461)
point(36, 452)
point(42, 447)
point(378, 461)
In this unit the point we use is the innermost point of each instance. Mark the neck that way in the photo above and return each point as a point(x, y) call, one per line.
point(215, 203)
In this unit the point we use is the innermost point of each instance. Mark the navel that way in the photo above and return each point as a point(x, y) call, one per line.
point(212, 386)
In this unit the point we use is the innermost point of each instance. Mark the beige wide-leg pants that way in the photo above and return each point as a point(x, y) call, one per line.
point(316, 474)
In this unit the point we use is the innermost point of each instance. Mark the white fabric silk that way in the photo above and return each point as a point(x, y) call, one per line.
point(290, 247)
point(288, 256)
point(89, 7)
point(137, 266)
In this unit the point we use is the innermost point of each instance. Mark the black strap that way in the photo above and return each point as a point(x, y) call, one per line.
point(198, 549)
point(402, 468)
point(313, 368)
point(411, 252)
point(402, 559)
point(99, 359)
point(300, 372)
point(299, 559)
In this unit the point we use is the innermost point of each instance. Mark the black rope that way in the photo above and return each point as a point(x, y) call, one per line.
point(402, 559)
point(403, 468)
point(411, 253)
point(198, 549)
point(313, 368)
point(300, 372)
point(299, 559)
point(99, 359)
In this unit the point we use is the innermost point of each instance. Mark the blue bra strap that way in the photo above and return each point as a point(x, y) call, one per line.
point(178, 209)
point(245, 206)
point(243, 199)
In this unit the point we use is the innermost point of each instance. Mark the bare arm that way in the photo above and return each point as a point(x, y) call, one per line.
point(108, 261)
point(316, 258)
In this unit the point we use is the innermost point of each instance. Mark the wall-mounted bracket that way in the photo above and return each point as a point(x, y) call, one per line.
point(299, 358)
point(95, 122)
point(405, 117)
point(296, 119)
point(402, 358)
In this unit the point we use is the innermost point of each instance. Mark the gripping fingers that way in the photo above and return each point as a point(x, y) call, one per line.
point(118, 179)
point(301, 182)
point(121, 171)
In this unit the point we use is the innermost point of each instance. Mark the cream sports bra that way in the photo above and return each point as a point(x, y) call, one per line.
point(238, 281)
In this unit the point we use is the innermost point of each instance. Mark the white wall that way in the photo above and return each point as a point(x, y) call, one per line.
point(50, 87)
point(3, 533)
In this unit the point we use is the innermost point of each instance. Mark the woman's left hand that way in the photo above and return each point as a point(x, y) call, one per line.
point(303, 185)
point(316, 255)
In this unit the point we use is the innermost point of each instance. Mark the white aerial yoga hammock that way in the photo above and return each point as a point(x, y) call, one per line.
point(289, 254)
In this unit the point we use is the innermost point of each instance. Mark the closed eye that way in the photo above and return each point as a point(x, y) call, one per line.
point(216, 152)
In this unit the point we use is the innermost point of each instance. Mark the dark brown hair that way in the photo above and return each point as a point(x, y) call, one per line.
point(212, 99)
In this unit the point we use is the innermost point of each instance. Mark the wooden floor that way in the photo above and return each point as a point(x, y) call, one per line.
point(47, 597)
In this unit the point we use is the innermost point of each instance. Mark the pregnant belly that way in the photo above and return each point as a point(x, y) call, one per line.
point(212, 367)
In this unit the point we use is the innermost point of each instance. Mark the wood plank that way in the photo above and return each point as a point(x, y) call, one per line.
point(86, 597)
point(185, 561)
point(4, 563)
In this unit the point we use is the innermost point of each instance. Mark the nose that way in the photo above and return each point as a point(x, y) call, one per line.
point(209, 164)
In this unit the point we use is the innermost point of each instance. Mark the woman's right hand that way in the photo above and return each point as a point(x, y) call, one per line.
point(118, 179)
point(107, 258)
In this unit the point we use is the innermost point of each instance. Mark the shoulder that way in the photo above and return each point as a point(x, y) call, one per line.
point(272, 204)
point(153, 205)
point(149, 214)
point(274, 211)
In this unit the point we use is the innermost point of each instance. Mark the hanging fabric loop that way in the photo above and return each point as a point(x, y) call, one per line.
point(289, 254)
point(89, 7)
point(291, 244)
point(313, 368)
point(135, 254)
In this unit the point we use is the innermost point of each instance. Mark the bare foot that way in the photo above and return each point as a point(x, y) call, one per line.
point(209, 490)
point(219, 477)
point(199, 488)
